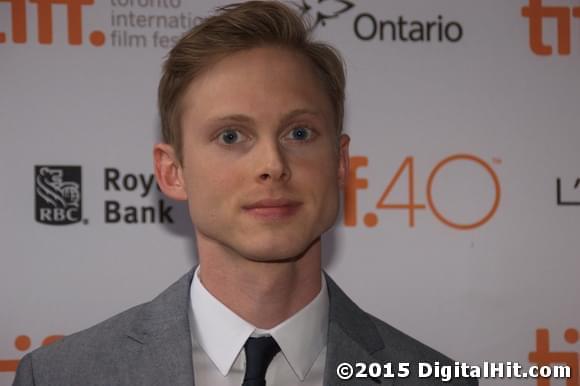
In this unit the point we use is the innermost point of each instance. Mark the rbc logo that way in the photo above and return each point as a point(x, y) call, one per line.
point(58, 194)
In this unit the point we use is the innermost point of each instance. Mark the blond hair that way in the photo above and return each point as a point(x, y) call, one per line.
point(239, 27)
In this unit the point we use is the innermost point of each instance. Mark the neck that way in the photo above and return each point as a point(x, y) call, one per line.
point(262, 293)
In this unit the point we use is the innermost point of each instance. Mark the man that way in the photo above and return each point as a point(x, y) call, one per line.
point(251, 112)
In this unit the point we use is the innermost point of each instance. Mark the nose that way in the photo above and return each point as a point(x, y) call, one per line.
point(273, 163)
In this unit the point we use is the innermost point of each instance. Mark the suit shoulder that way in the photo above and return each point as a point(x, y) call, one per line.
point(404, 347)
point(106, 352)
point(400, 347)
point(102, 336)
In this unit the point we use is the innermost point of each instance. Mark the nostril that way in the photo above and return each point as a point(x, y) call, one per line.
point(281, 175)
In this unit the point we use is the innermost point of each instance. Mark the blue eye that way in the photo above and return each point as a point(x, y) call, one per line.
point(300, 133)
point(230, 136)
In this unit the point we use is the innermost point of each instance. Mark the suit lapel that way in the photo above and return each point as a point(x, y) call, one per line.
point(161, 352)
point(352, 338)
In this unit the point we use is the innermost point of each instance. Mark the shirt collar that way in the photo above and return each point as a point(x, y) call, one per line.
point(222, 334)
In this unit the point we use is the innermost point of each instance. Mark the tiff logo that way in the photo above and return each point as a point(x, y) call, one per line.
point(44, 8)
point(537, 12)
point(544, 356)
point(23, 343)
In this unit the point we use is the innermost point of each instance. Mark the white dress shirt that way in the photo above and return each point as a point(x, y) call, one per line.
point(218, 337)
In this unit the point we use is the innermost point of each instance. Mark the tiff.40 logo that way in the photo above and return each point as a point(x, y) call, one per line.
point(44, 10)
point(410, 204)
point(537, 12)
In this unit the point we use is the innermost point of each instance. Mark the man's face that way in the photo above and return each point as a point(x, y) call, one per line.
point(261, 166)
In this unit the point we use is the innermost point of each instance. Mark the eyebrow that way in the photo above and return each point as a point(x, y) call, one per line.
point(241, 118)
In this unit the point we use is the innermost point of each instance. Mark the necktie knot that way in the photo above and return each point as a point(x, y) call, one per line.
point(259, 354)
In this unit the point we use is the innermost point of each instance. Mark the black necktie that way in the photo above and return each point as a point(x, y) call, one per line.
point(259, 354)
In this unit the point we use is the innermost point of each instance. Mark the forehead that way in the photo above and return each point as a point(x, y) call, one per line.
point(257, 81)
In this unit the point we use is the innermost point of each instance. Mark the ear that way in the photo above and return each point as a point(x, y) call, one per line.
point(343, 159)
point(168, 172)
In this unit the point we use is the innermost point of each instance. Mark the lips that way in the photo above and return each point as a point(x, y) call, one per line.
point(273, 209)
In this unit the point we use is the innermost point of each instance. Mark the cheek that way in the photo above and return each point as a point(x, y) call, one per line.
point(321, 165)
point(208, 195)
point(211, 183)
point(320, 177)
point(205, 169)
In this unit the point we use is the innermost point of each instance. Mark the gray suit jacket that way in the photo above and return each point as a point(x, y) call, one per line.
point(150, 345)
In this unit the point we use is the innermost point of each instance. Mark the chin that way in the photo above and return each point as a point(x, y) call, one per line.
point(276, 252)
